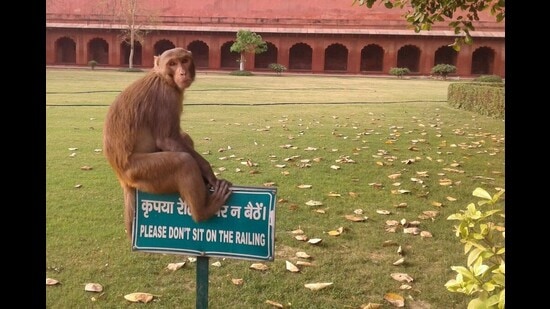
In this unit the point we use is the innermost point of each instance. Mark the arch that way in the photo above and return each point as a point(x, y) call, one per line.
point(483, 60)
point(162, 46)
point(125, 53)
point(263, 60)
point(200, 52)
point(408, 56)
point(98, 50)
point(372, 58)
point(336, 57)
point(445, 55)
point(300, 57)
point(229, 60)
point(65, 51)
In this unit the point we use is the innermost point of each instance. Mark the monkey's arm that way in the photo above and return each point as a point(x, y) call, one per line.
point(184, 143)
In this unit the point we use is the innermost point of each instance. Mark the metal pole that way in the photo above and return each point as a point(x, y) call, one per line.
point(202, 282)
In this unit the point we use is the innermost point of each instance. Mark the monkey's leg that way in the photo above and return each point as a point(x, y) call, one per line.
point(170, 172)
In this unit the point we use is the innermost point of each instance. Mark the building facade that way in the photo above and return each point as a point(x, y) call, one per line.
point(322, 36)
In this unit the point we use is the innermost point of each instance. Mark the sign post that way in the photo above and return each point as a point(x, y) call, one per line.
point(244, 228)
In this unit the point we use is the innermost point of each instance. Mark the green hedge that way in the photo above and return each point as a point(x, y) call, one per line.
point(483, 98)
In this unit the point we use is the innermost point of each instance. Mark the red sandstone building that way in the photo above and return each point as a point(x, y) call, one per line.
point(322, 36)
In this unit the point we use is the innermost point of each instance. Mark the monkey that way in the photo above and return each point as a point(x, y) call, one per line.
point(148, 150)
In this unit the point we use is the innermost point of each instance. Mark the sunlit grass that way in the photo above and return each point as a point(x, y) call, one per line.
point(398, 126)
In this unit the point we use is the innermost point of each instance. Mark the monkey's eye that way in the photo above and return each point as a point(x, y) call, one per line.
point(171, 63)
point(185, 60)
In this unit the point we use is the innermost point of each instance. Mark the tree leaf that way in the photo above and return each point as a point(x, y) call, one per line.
point(481, 193)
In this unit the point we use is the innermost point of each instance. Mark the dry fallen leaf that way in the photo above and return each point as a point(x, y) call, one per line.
point(139, 297)
point(291, 267)
point(259, 266)
point(51, 281)
point(86, 168)
point(175, 266)
point(314, 203)
point(297, 232)
point(303, 263)
point(426, 234)
point(399, 262)
point(401, 277)
point(93, 287)
point(274, 304)
point(317, 286)
point(336, 232)
point(301, 237)
point(355, 218)
point(217, 264)
point(303, 255)
point(394, 176)
point(395, 299)
point(315, 241)
point(237, 281)
point(388, 243)
point(411, 230)
point(382, 212)
point(305, 186)
point(371, 306)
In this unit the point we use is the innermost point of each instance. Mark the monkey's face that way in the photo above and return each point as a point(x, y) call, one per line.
point(177, 67)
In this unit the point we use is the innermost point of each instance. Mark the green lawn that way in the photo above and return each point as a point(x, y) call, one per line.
point(398, 145)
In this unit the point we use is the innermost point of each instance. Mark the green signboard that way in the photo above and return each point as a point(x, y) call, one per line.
point(244, 228)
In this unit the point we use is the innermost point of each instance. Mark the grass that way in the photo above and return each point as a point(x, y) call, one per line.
point(370, 127)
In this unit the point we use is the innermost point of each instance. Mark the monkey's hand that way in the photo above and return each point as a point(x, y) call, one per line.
point(220, 192)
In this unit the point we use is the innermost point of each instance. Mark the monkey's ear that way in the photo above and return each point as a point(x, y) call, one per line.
point(156, 62)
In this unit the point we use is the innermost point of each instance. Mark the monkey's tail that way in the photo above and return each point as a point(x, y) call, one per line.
point(129, 208)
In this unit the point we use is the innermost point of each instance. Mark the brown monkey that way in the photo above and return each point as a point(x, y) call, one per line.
point(148, 150)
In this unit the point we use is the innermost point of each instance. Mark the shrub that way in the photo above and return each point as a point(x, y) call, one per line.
point(482, 233)
point(130, 70)
point(279, 68)
point(488, 79)
point(92, 64)
point(483, 98)
point(443, 70)
point(241, 73)
point(399, 72)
